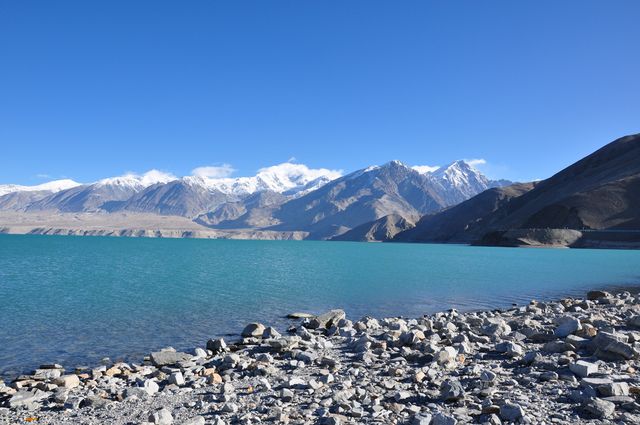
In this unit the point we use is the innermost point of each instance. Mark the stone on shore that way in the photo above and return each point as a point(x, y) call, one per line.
point(27, 398)
point(168, 358)
point(566, 326)
point(161, 417)
point(326, 320)
point(598, 408)
point(216, 345)
point(583, 369)
point(67, 381)
point(570, 361)
point(253, 330)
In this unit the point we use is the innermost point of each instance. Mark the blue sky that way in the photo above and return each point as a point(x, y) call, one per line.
point(95, 89)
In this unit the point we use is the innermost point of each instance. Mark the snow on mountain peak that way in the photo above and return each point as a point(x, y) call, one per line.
point(52, 186)
point(425, 169)
point(138, 181)
point(285, 177)
point(462, 176)
point(288, 176)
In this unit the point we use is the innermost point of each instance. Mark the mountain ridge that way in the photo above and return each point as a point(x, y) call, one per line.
point(286, 197)
point(600, 192)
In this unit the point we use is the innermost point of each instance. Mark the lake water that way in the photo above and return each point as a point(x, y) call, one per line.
point(75, 300)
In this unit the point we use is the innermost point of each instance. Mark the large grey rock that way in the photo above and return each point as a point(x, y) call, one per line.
point(496, 328)
point(511, 412)
point(566, 326)
point(25, 398)
point(168, 358)
point(216, 345)
point(451, 390)
point(95, 402)
point(151, 387)
point(612, 346)
point(596, 295)
point(67, 381)
point(326, 320)
point(443, 419)
point(161, 417)
point(176, 378)
point(137, 392)
point(510, 348)
point(598, 408)
point(253, 330)
point(583, 369)
point(614, 389)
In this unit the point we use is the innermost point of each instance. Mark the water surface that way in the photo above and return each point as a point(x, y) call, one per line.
point(75, 300)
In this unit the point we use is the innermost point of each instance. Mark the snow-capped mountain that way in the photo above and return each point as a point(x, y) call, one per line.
point(192, 196)
point(461, 181)
point(282, 178)
point(52, 186)
point(136, 182)
point(286, 196)
point(378, 191)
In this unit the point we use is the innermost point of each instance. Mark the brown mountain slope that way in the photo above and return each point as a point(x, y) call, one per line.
point(601, 191)
point(383, 229)
point(464, 222)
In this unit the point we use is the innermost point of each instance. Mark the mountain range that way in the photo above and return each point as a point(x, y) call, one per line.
point(594, 202)
point(285, 198)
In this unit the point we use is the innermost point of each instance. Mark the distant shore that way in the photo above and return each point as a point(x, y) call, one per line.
point(126, 225)
point(573, 361)
point(158, 226)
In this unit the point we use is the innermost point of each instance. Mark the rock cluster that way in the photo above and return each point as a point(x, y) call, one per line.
point(572, 361)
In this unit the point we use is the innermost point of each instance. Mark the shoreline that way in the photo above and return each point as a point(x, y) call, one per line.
point(572, 360)
point(145, 225)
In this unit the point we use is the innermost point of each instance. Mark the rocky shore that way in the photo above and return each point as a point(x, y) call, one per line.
point(571, 361)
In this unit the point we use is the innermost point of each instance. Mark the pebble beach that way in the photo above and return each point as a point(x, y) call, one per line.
point(569, 361)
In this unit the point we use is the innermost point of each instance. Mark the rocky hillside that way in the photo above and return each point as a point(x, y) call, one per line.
point(599, 192)
point(283, 198)
point(380, 230)
point(466, 221)
point(375, 192)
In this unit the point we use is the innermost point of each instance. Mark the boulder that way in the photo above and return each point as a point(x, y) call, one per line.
point(511, 412)
point(496, 328)
point(176, 378)
point(326, 320)
point(583, 369)
point(67, 381)
point(598, 408)
point(25, 398)
point(510, 348)
point(168, 358)
point(566, 325)
point(161, 417)
point(596, 295)
point(253, 330)
point(451, 390)
point(614, 389)
point(216, 345)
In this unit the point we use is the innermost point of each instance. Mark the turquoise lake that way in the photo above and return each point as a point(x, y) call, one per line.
point(75, 300)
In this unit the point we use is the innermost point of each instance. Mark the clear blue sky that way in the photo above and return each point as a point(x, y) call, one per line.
point(90, 89)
